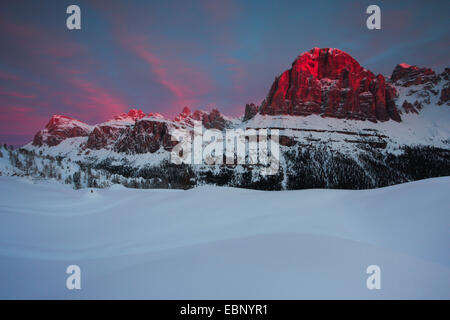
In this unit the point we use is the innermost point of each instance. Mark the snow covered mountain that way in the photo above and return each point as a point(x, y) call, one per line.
point(341, 126)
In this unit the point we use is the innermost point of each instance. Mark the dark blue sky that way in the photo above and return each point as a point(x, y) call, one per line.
point(162, 55)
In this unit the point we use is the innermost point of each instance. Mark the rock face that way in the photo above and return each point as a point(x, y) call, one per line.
point(136, 133)
point(420, 86)
point(406, 75)
point(145, 136)
point(104, 135)
point(411, 108)
point(132, 132)
point(250, 111)
point(445, 93)
point(212, 120)
point(329, 82)
point(445, 96)
point(134, 114)
point(60, 128)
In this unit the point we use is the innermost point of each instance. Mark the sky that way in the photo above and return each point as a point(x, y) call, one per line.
point(160, 56)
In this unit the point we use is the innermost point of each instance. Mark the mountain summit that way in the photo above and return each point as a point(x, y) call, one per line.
point(331, 83)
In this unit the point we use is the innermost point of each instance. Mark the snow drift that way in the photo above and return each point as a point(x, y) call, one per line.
point(210, 243)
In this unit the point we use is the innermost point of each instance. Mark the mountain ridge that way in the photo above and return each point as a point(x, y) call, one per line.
point(327, 82)
point(345, 130)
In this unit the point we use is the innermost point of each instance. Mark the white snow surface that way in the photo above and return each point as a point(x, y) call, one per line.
point(226, 243)
point(431, 127)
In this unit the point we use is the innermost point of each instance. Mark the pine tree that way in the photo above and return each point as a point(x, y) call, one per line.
point(68, 180)
point(77, 180)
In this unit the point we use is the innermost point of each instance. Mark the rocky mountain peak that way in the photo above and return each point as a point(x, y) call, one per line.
point(407, 75)
point(60, 128)
point(331, 83)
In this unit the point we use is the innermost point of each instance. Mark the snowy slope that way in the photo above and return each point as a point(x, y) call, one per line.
point(223, 242)
point(430, 128)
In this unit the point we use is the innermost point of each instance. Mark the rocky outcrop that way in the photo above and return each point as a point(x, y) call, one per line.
point(445, 92)
point(145, 136)
point(250, 111)
point(406, 75)
point(421, 84)
point(212, 120)
point(105, 135)
point(60, 128)
point(136, 133)
point(445, 96)
point(411, 108)
point(134, 114)
point(329, 82)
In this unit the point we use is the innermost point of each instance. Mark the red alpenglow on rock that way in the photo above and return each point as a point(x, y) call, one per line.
point(108, 132)
point(407, 75)
point(59, 128)
point(329, 82)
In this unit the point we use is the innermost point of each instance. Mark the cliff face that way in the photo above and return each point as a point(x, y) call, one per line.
point(406, 75)
point(331, 83)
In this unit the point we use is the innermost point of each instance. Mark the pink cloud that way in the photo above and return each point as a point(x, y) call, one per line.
point(60, 60)
point(185, 82)
point(41, 40)
point(16, 94)
point(65, 50)
point(20, 121)
point(161, 72)
point(93, 101)
point(8, 76)
point(18, 31)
